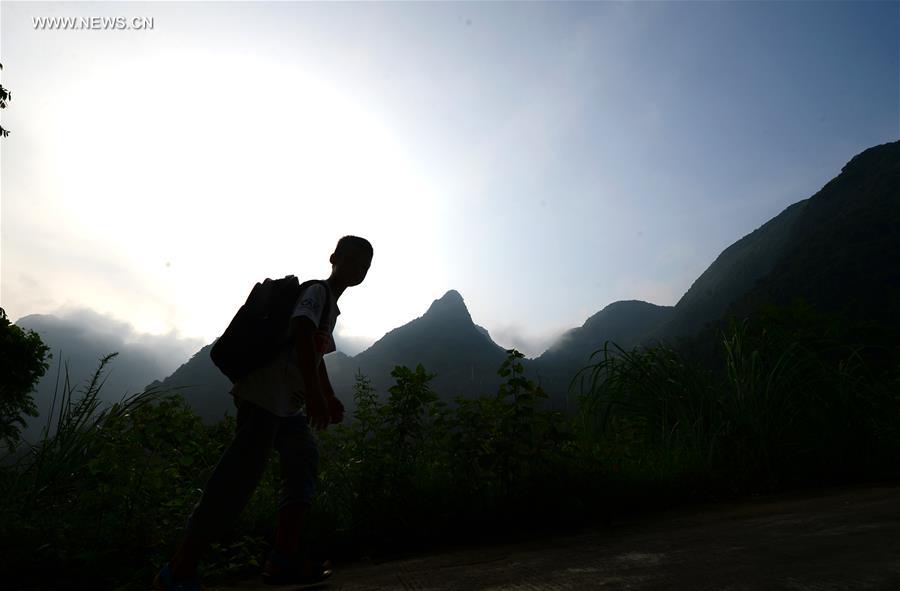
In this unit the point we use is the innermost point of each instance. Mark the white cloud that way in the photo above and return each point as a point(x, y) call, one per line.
point(72, 326)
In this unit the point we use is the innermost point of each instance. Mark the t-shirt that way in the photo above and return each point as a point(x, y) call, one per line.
point(278, 386)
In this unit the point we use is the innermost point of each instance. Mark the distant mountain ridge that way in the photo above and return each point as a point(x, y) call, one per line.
point(838, 249)
point(446, 341)
point(202, 384)
point(77, 344)
point(621, 322)
point(463, 356)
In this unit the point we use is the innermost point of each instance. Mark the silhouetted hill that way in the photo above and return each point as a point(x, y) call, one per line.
point(203, 385)
point(844, 253)
point(621, 322)
point(445, 341)
point(840, 256)
point(730, 276)
point(837, 250)
point(843, 256)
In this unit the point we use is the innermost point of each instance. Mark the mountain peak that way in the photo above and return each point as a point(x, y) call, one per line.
point(450, 304)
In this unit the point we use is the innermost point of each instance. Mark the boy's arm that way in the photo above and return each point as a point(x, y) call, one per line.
point(335, 408)
point(304, 331)
point(324, 382)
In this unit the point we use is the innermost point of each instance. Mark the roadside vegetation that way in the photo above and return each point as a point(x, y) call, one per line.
point(106, 493)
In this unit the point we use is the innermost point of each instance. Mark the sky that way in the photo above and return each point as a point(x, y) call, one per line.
point(543, 159)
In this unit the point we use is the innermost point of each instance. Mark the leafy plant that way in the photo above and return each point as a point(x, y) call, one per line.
point(23, 361)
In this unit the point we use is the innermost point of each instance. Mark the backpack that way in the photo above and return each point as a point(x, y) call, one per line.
point(260, 329)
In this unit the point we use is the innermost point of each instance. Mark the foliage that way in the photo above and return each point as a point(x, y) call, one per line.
point(385, 452)
point(790, 403)
point(103, 487)
point(793, 400)
point(23, 361)
point(506, 444)
point(411, 465)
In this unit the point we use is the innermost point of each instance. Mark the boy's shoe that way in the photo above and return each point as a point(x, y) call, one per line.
point(282, 570)
point(165, 581)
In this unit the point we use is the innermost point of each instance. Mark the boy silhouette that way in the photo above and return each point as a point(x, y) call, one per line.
point(270, 414)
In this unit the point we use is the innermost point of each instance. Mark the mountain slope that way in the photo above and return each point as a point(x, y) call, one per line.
point(620, 322)
point(445, 341)
point(843, 256)
point(203, 386)
point(840, 258)
point(837, 249)
point(730, 276)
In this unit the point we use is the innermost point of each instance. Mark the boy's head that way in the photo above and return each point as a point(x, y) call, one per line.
point(351, 259)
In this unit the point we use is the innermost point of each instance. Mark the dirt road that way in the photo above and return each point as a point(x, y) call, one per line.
point(834, 540)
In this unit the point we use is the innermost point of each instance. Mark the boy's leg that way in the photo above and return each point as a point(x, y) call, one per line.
point(187, 556)
point(299, 455)
point(230, 486)
point(289, 526)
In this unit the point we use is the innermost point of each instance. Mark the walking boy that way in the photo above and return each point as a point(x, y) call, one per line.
point(270, 414)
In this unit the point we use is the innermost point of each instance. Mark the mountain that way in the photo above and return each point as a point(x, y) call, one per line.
point(621, 322)
point(843, 254)
point(730, 276)
point(445, 341)
point(838, 257)
point(203, 385)
point(838, 250)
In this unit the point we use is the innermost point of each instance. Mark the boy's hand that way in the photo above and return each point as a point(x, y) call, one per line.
point(335, 409)
point(316, 412)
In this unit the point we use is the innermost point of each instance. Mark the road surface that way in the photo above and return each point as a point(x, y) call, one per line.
point(829, 540)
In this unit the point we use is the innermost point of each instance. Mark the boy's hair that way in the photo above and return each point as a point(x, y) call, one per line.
point(356, 241)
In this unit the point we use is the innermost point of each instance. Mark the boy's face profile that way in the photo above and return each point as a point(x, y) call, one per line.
point(352, 264)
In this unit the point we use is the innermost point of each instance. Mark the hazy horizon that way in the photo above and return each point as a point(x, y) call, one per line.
point(544, 160)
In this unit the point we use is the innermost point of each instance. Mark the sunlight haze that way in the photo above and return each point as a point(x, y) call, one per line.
point(544, 160)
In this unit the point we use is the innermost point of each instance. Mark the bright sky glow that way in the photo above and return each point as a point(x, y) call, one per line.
point(544, 160)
